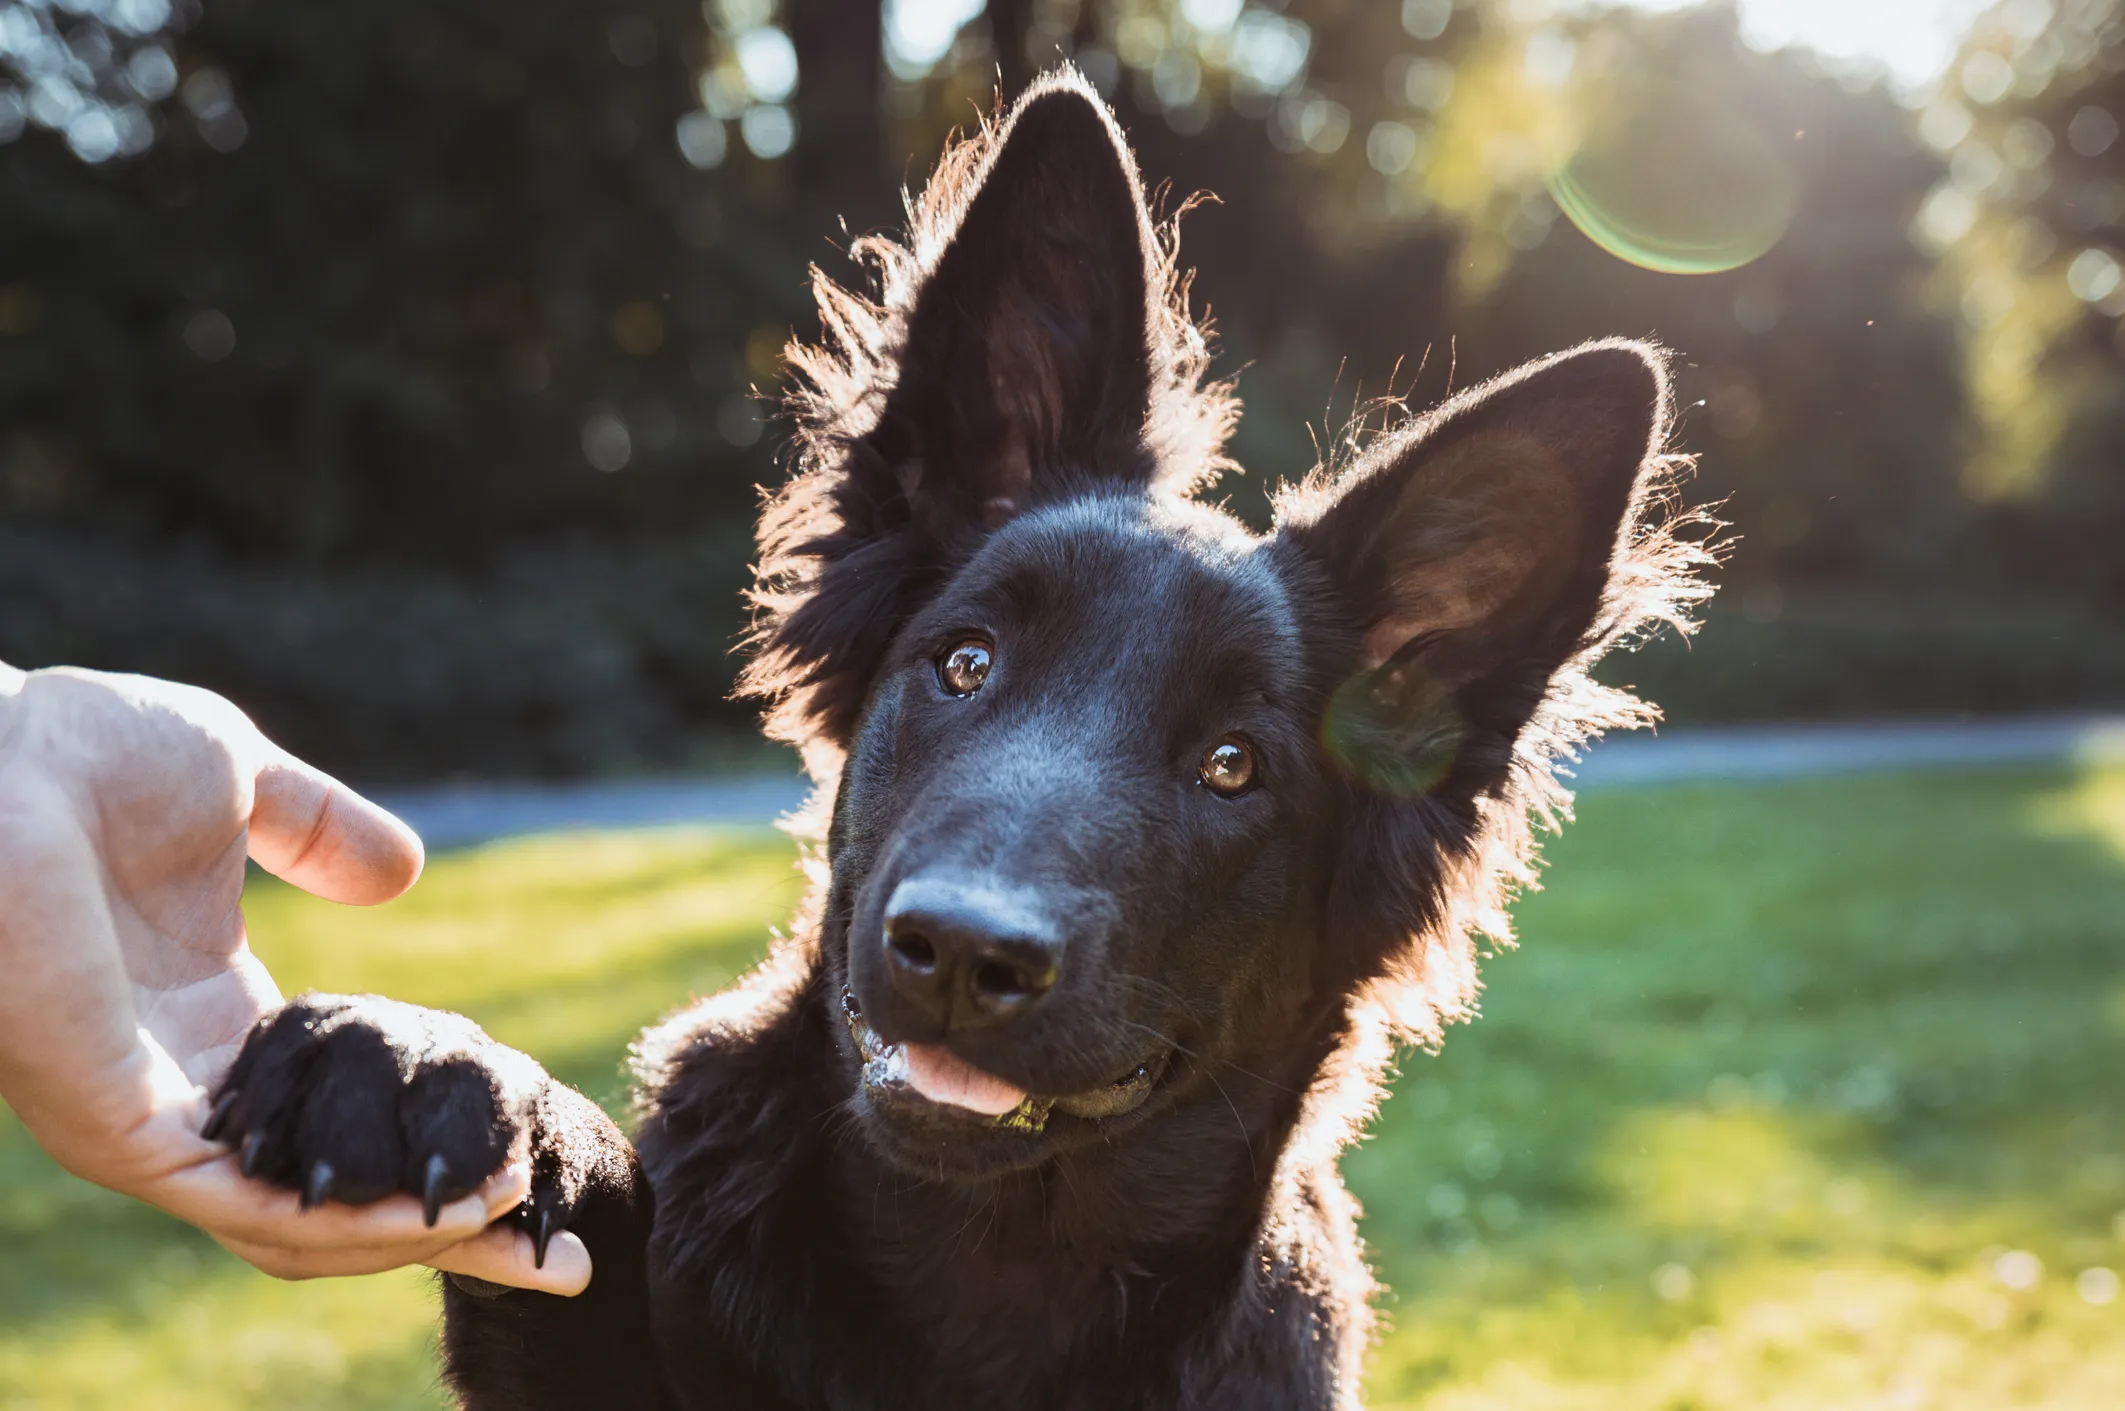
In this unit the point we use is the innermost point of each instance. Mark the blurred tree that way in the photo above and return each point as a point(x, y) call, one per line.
point(841, 164)
point(92, 72)
point(454, 282)
point(2030, 220)
point(451, 292)
point(405, 388)
point(1012, 34)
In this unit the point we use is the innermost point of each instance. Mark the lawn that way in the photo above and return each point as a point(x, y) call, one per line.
point(1797, 1096)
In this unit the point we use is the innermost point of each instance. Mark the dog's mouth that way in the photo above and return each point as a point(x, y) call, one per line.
point(936, 1078)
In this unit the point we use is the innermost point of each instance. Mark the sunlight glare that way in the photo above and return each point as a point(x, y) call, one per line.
point(1913, 40)
point(918, 33)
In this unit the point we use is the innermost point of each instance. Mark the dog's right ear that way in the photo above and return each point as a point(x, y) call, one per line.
point(1477, 551)
point(1473, 563)
point(1009, 363)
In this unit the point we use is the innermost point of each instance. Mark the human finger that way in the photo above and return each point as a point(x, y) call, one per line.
point(217, 1197)
point(309, 829)
point(289, 1262)
point(503, 1254)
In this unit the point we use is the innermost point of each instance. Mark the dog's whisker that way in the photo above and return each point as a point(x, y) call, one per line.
point(1246, 1138)
point(1265, 1082)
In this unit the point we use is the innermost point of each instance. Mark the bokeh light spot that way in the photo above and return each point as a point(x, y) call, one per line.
point(210, 335)
point(738, 421)
point(769, 130)
point(2098, 1286)
point(2092, 131)
point(1674, 181)
point(638, 328)
point(2018, 1269)
point(2094, 275)
point(633, 40)
point(702, 140)
point(606, 443)
point(769, 62)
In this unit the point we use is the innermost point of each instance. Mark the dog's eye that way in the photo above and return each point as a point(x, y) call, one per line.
point(1228, 767)
point(964, 668)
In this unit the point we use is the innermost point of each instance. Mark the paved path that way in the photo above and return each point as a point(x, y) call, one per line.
point(455, 815)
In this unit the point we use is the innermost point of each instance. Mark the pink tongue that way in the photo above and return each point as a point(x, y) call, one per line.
point(939, 1075)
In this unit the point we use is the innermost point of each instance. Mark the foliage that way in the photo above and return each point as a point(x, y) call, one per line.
point(2029, 219)
point(1793, 1096)
point(414, 312)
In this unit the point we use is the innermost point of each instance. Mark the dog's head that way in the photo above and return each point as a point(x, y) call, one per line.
point(1126, 791)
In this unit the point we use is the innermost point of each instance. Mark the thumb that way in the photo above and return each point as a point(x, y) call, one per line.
point(503, 1255)
point(309, 829)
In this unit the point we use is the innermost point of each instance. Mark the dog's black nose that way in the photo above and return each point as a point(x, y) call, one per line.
point(968, 955)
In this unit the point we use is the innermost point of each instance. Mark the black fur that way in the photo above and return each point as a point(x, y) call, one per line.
point(1199, 988)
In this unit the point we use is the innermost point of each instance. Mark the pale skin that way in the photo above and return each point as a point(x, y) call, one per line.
point(127, 984)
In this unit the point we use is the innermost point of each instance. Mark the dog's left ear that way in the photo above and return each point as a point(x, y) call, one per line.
point(1471, 553)
point(1026, 367)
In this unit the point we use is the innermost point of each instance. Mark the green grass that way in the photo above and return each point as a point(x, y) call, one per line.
point(1797, 1096)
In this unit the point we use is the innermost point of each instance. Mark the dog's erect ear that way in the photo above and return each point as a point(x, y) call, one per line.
point(1012, 356)
point(1472, 550)
point(1026, 366)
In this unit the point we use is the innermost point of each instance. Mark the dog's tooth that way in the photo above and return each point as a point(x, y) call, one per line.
point(1030, 1116)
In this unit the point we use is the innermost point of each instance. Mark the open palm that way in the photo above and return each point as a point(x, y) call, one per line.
point(127, 808)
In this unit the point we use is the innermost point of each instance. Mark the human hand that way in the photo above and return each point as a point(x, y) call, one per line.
point(127, 806)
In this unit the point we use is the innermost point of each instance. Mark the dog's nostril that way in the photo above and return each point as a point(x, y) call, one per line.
point(1006, 984)
point(1001, 981)
point(913, 949)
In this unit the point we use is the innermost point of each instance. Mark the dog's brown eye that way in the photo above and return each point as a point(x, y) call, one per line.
point(963, 669)
point(1228, 767)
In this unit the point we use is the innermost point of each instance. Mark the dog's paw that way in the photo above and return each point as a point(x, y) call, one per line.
point(354, 1098)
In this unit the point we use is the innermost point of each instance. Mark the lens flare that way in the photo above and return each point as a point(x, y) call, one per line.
point(1394, 729)
point(1673, 180)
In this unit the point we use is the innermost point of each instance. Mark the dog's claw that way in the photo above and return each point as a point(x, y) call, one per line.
point(542, 1233)
point(432, 1187)
point(319, 1187)
point(254, 1145)
point(219, 1117)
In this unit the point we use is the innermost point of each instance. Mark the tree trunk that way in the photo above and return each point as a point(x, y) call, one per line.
point(1010, 24)
point(840, 165)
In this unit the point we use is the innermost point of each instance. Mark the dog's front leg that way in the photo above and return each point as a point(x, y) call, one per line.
point(353, 1097)
point(519, 1350)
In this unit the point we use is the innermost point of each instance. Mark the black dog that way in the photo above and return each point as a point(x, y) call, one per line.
point(1149, 839)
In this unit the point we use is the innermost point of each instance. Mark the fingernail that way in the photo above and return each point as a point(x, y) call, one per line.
point(567, 1270)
